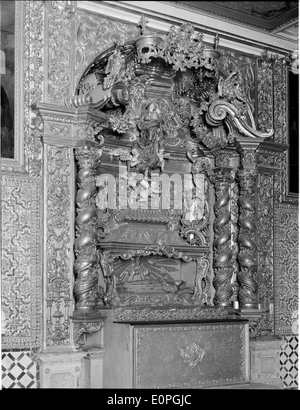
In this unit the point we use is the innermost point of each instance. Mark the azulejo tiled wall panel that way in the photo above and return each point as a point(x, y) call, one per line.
point(21, 263)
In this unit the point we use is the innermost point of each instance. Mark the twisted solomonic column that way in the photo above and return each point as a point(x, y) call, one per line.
point(222, 258)
point(88, 295)
point(247, 257)
point(226, 109)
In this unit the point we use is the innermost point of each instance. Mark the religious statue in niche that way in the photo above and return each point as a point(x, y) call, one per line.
point(165, 108)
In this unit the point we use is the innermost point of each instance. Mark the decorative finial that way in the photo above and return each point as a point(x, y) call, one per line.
point(143, 24)
point(269, 57)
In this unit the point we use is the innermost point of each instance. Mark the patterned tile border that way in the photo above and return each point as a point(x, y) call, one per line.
point(289, 362)
point(18, 370)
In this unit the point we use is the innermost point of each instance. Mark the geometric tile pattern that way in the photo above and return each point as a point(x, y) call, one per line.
point(21, 279)
point(18, 370)
point(289, 362)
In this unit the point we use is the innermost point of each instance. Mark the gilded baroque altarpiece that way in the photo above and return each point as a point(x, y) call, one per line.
point(60, 44)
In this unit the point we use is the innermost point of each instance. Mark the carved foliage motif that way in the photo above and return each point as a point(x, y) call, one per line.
point(20, 270)
point(94, 35)
point(33, 81)
point(192, 354)
point(265, 241)
point(59, 53)
point(59, 246)
point(265, 95)
point(234, 62)
point(64, 8)
point(280, 178)
point(182, 47)
point(280, 109)
point(149, 314)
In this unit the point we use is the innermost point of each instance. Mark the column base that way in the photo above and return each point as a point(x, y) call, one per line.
point(93, 368)
point(61, 369)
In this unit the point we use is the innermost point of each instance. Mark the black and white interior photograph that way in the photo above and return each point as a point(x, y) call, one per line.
point(149, 197)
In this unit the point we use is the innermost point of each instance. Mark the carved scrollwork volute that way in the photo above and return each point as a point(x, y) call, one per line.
point(230, 106)
point(82, 329)
point(88, 294)
point(222, 111)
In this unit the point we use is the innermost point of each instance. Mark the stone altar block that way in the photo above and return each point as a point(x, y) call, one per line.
point(265, 361)
point(176, 355)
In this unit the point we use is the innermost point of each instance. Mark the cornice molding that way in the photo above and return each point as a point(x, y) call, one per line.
point(162, 15)
point(236, 16)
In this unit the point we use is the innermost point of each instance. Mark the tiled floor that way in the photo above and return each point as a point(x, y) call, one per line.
point(18, 370)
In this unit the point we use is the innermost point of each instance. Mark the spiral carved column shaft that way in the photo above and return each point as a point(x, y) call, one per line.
point(248, 290)
point(222, 260)
point(88, 295)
